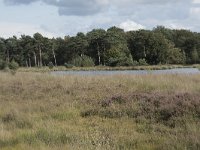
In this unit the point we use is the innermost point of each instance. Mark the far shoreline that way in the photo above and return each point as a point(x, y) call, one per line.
point(105, 68)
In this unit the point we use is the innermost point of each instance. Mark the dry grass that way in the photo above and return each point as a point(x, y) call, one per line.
point(40, 111)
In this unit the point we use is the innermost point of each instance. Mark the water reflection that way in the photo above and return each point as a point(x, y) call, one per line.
point(129, 72)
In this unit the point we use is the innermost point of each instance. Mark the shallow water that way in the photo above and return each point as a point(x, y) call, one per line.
point(129, 72)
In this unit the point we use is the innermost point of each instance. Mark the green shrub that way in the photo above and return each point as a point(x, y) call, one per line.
point(13, 65)
point(120, 61)
point(87, 61)
point(135, 63)
point(113, 62)
point(50, 65)
point(77, 61)
point(82, 61)
point(68, 65)
point(142, 62)
point(3, 65)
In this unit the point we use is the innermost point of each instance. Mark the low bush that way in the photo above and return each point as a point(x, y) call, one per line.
point(142, 62)
point(120, 61)
point(13, 65)
point(163, 108)
point(135, 63)
point(68, 65)
point(3, 65)
point(50, 65)
point(82, 61)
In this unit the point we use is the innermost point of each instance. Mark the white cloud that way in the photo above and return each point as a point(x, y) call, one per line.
point(131, 25)
point(8, 29)
point(196, 1)
point(176, 26)
point(195, 11)
point(72, 16)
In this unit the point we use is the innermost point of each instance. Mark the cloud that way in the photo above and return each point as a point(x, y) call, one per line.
point(195, 11)
point(78, 8)
point(68, 7)
point(84, 15)
point(131, 25)
point(196, 1)
point(8, 29)
point(17, 2)
point(91, 7)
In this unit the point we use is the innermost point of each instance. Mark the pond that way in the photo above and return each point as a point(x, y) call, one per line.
point(186, 71)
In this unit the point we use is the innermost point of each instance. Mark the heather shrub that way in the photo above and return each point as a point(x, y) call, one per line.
point(163, 108)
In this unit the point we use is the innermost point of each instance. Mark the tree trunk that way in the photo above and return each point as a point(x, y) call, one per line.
point(40, 51)
point(29, 59)
point(8, 56)
point(54, 56)
point(35, 58)
point(104, 49)
point(98, 53)
point(145, 55)
point(26, 63)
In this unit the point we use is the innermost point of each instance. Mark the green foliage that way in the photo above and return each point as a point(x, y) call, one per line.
point(117, 53)
point(50, 65)
point(98, 45)
point(113, 47)
point(121, 61)
point(82, 61)
point(135, 63)
point(127, 61)
point(13, 65)
point(3, 65)
point(77, 61)
point(175, 56)
point(113, 62)
point(142, 62)
point(195, 56)
point(68, 65)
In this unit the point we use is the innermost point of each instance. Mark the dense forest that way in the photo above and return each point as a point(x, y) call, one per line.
point(112, 47)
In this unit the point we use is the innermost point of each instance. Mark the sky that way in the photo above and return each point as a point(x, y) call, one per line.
point(58, 18)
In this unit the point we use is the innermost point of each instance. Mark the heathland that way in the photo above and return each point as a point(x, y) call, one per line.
point(41, 111)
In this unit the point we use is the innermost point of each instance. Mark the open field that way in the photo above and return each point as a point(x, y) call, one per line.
point(40, 111)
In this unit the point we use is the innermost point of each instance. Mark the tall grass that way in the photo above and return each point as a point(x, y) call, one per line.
point(40, 111)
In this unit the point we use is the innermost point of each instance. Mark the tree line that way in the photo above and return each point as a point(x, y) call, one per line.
point(112, 47)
